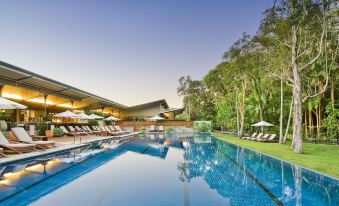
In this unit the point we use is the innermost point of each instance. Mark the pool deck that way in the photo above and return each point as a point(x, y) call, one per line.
point(62, 144)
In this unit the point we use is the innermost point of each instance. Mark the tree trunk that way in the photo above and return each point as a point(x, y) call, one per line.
point(236, 105)
point(281, 111)
point(332, 92)
point(288, 121)
point(297, 141)
point(242, 113)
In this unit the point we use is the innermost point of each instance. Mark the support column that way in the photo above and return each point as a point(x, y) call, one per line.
point(45, 102)
point(1, 90)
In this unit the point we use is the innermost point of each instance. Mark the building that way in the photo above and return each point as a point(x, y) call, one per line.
point(43, 96)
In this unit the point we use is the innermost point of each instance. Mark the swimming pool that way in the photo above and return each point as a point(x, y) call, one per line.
point(167, 170)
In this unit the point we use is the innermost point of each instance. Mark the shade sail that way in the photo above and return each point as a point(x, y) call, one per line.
point(67, 114)
point(262, 124)
point(8, 104)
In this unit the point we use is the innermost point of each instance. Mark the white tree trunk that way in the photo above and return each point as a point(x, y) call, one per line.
point(297, 141)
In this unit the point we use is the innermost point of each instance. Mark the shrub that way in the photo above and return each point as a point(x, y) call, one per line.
point(169, 129)
point(58, 132)
point(42, 127)
point(4, 116)
point(93, 122)
point(202, 126)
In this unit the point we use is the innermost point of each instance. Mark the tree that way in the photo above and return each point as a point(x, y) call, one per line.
point(301, 27)
point(182, 90)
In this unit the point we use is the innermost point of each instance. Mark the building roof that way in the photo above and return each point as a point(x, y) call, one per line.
point(149, 104)
point(15, 76)
point(175, 111)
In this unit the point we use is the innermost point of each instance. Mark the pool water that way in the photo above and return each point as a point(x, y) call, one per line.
point(170, 170)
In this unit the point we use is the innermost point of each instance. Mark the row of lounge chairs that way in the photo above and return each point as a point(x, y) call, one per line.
point(96, 130)
point(261, 137)
point(22, 143)
point(159, 129)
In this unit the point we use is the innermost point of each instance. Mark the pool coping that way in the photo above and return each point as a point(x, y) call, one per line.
point(285, 161)
point(37, 154)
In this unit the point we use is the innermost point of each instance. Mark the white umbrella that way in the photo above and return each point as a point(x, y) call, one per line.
point(8, 104)
point(67, 114)
point(94, 116)
point(111, 118)
point(84, 116)
point(156, 118)
point(262, 124)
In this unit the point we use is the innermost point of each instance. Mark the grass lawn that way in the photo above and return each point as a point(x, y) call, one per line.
point(318, 157)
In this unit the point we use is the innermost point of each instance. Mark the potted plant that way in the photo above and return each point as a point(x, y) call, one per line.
point(3, 124)
point(42, 128)
point(46, 120)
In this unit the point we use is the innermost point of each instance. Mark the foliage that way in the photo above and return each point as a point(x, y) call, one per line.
point(245, 86)
point(202, 126)
point(42, 127)
point(89, 112)
point(169, 129)
point(331, 122)
point(4, 116)
point(183, 116)
point(142, 129)
point(93, 122)
point(47, 118)
point(58, 132)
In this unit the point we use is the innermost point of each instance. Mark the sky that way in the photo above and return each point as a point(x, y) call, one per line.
point(131, 52)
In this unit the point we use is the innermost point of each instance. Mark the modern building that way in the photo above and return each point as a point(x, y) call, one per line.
point(43, 95)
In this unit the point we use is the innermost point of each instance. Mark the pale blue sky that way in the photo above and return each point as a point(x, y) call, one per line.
point(128, 51)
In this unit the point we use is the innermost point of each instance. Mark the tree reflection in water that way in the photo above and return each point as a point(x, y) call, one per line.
point(218, 164)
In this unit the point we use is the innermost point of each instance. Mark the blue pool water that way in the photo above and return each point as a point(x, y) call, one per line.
point(157, 170)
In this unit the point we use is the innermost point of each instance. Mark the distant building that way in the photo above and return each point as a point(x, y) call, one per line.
point(43, 95)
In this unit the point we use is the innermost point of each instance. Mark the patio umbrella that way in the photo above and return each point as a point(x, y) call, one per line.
point(156, 118)
point(84, 116)
point(94, 116)
point(111, 118)
point(262, 124)
point(67, 114)
point(8, 104)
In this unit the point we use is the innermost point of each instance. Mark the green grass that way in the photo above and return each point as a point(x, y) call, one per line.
point(318, 157)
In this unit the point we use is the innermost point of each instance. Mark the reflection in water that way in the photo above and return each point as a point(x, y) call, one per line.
point(288, 183)
point(175, 170)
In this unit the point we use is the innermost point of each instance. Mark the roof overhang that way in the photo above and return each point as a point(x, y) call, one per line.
point(18, 77)
point(161, 102)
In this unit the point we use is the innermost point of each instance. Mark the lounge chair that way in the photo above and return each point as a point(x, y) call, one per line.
point(112, 131)
point(81, 131)
point(90, 131)
point(253, 136)
point(14, 147)
point(66, 132)
point(22, 136)
point(152, 129)
point(71, 129)
point(272, 138)
point(118, 129)
point(258, 137)
point(2, 153)
point(263, 138)
point(161, 128)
